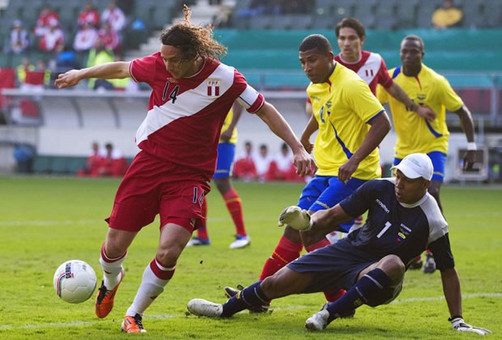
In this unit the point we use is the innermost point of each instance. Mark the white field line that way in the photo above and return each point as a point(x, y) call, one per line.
point(168, 316)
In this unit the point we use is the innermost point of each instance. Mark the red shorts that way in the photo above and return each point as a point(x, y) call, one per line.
point(152, 186)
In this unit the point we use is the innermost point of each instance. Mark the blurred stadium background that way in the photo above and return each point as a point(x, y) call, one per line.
point(55, 128)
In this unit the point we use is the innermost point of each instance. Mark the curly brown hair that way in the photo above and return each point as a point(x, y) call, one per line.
point(192, 40)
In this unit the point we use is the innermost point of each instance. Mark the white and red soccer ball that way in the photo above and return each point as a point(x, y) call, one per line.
point(74, 281)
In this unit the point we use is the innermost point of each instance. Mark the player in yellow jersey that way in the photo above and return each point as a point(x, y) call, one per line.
point(430, 136)
point(222, 179)
point(351, 123)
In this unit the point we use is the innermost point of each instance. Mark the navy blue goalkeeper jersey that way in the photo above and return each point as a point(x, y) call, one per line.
point(396, 228)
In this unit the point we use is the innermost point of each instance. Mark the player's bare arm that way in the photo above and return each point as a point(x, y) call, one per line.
point(303, 162)
point(237, 113)
point(465, 116)
point(425, 112)
point(113, 70)
point(380, 126)
point(311, 127)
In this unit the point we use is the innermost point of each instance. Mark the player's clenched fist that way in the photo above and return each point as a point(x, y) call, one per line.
point(296, 217)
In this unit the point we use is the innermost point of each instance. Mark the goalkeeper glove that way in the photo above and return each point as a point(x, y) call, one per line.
point(458, 324)
point(296, 217)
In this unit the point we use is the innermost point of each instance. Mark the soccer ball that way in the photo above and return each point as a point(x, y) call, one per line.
point(74, 281)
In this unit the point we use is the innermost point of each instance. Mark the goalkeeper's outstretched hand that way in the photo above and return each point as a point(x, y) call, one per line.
point(296, 217)
point(458, 324)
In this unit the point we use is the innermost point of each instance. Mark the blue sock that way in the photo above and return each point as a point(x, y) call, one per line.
point(369, 286)
point(249, 296)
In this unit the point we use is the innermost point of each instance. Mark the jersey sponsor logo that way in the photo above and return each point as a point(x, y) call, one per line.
point(213, 87)
point(383, 206)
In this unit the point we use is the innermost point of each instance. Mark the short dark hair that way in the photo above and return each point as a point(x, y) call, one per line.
point(353, 23)
point(416, 38)
point(317, 41)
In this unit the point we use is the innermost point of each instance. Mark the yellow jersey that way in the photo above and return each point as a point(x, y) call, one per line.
point(226, 123)
point(343, 107)
point(414, 133)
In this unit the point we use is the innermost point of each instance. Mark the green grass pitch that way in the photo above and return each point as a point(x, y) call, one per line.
point(47, 220)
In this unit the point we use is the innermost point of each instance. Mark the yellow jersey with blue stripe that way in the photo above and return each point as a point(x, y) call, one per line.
point(226, 123)
point(343, 107)
point(414, 133)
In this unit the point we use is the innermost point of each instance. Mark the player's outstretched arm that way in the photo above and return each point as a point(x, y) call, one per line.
point(323, 220)
point(397, 92)
point(113, 70)
point(451, 289)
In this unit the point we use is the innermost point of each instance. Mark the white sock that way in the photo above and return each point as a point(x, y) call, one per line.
point(151, 287)
point(111, 270)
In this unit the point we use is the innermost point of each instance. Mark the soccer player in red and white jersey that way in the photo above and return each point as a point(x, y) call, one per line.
point(350, 34)
point(192, 93)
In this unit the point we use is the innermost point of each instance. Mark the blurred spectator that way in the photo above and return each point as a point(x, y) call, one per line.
point(262, 162)
point(24, 154)
point(22, 68)
point(52, 39)
point(93, 161)
point(281, 168)
point(19, 38)
point(89, 14)
point(41, 66)
point(99, 55)
point(85, 38)
point(33, 77)
point(47, 18)
point(244, 167)
point(113, 163)
point(109, 38)
point(104, 162)
point(115, 16)
point(447, 16)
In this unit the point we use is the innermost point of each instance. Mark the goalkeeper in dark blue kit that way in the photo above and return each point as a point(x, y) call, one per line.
point(370, 263)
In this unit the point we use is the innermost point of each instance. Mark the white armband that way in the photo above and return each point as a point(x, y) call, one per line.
point(471, 146)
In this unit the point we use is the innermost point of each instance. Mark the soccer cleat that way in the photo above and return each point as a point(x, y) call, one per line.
point(430, 264)
point(133, 324)
point(201, 307)
point(318, 321)
point(105, 298)
point(229, 292)
point(240, 242)
point(197, 241)
point(416, 264)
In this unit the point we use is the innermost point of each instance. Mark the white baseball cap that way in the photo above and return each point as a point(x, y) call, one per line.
point(416, 165)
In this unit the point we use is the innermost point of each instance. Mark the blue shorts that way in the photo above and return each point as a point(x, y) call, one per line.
point(226, 153)
point(324, 192)
point(438, 161)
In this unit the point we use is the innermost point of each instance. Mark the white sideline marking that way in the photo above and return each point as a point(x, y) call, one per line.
point(168, 316)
